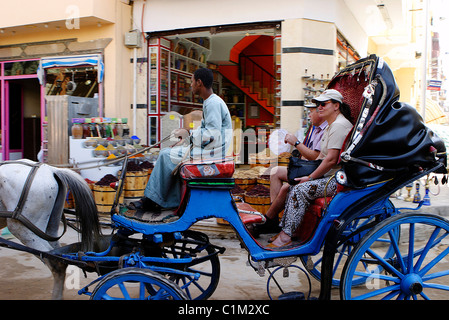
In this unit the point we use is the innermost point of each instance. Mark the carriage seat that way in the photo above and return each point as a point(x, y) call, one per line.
point(203, 170)
point(307, 227)
point(313, 216)
point(207, 168)
point(318, 205)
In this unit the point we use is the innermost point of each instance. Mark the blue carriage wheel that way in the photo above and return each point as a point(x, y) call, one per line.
point(205, 262)
point(352, 233)
point(136, 284)
point(417, 269)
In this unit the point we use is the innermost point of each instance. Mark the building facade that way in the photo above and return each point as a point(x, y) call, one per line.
point(56, 48)
point(303, 43)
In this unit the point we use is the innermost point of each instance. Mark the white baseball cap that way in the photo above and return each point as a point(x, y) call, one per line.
point(329, 94)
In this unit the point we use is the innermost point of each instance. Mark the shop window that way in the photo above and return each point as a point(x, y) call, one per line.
point(153, 130)
point(19, 68)
point(76, 81)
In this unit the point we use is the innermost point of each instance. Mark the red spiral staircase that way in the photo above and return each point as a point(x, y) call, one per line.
point(253, 72)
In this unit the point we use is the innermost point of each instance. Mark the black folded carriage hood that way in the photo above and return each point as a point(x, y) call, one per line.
point(388, 136)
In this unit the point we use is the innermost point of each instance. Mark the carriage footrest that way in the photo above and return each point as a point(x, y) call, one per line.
point(163, 216)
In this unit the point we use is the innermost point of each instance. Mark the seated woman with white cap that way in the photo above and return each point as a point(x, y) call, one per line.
point(337, 114)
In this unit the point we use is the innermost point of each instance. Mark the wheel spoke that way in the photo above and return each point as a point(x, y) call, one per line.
point(394, 242)
point(380, 291)
point(435, 275)
point(385, 263)
point(340, 256)
point(411, 246)
point(425, 297)
point(142, 291)
point(385, 277)
point(136, 283)
point(432, 263)
point(124, 290)
point(391, 295)
point(426, 249)
point(108, 297)
point(196, 284)
point(204, 263)
point(436, 286)
point(161, 294)
point(318, 262)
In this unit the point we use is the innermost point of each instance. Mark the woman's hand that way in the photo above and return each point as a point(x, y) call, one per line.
point(302, 179)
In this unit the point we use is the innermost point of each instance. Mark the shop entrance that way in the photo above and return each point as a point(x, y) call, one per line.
point(20, 117)
point(22, 133)
point(246, 64)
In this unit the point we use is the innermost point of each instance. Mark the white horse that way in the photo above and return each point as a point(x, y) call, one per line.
point(43, 208)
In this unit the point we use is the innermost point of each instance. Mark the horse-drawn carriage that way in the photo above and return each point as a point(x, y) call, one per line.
point(350, 239)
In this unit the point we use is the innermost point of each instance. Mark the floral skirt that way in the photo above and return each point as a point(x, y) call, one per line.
point(299, 199)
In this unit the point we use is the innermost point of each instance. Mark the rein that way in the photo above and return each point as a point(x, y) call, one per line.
point(17, 213)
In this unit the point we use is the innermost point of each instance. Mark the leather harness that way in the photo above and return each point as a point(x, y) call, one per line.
point(17, 213)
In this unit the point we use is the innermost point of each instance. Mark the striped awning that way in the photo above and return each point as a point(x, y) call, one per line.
point(71, 61)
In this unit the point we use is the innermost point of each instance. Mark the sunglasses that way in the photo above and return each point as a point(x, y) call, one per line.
point(323, 104)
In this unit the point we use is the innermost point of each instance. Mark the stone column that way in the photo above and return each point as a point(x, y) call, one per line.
point(309, 48)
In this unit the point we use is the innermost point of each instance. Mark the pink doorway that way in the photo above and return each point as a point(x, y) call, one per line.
point(20, 117)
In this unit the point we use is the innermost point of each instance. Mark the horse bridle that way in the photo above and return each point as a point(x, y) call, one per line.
point(17, 213)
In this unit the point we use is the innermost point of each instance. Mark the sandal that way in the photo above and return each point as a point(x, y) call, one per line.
point(273, 246)
point(273, 238)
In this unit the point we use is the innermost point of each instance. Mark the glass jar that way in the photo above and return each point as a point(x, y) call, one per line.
point(77, 128)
